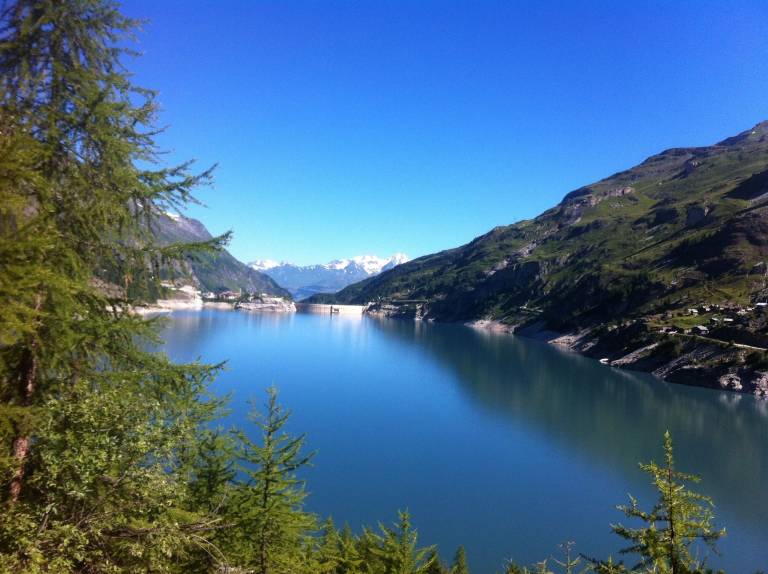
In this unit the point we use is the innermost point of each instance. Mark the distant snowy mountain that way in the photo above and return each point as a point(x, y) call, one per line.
point(264, 264)
point(304, 281)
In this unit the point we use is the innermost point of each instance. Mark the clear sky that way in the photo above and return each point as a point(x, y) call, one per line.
point(343, 128)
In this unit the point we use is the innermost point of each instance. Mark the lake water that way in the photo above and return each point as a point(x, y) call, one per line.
point(506, 445)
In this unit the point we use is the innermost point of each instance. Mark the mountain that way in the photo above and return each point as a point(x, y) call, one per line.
point(305, 281)
point(678, 241)
point(213, 272)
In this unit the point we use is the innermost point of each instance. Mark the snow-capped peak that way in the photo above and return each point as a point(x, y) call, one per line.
point(398, 259)
point(305, 280)
point(368, 264)
point(371, 264)
point(264, 264)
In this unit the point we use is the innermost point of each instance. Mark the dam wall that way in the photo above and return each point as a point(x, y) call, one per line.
point(326, 309)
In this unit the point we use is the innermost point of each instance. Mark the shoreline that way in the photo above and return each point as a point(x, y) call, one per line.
point(685, 369)
point(671, 370)
point(162, 306)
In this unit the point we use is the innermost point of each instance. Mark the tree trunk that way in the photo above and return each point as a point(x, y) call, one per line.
point(27, 387)
point(670, 510)
point(21, 442)
point(263, 561)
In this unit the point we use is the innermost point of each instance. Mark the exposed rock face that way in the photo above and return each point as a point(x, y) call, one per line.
point(620, 191)
point(176, 298)
point(731, 381)
point(760, 383)
point(578, 196)
point(184, 297)
point(267, 304)
point(573, 204)
point(500, 266)
point(689, 167)
point(397, 311)
point(526, 249)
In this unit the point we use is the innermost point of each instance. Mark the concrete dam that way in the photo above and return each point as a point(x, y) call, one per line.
point(326, 309)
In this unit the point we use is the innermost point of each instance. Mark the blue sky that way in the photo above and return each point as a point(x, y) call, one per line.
point(355, 127)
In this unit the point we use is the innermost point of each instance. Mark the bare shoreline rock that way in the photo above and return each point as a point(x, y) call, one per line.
point(267, 305)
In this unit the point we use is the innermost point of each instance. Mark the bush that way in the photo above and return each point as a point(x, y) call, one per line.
point(670, 346)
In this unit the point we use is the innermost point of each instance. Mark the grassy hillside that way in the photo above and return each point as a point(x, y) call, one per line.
point(686, 228)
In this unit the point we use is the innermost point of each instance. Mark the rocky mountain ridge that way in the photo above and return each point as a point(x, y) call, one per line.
point(620, 265)
point(303, 281)
point(215, 272)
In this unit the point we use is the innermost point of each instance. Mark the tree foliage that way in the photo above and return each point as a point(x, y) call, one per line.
point(95, 428)
point(268, 506)
point(459, 565)
point(673, 530)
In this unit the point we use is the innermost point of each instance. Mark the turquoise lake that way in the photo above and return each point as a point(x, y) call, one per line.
point(505, 445)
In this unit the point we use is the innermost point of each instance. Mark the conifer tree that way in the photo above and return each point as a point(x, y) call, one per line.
point(396, 548)
point(435, 565)
point(269, 507)
point(570, 561)
point(211, 490)
point(460, 562)
point(511, 567)
point(212, 470)
point(328, 555)
point(679, 520)
point(94, 427)
point(337, 552)
point(350, 560)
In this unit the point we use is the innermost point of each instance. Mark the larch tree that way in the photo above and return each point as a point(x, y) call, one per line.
point(269, 507)
point(327, 555)
point(435, 564)
point(396, 549)
point(213, 470)
point(675, 530)
point(459, 565)
point(350, 560)
point(94, 427)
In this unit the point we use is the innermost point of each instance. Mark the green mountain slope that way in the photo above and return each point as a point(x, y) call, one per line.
point(686, 228)
point(213, 272)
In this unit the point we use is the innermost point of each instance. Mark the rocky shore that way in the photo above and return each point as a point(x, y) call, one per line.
point(675, 358)
point(267, 304)
point(680, 359)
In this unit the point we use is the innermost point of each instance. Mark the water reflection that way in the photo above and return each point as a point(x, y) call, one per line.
point(615, 416)
point(506, 445)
